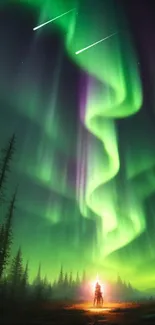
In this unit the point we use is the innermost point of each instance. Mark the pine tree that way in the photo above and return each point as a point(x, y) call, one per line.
point(45, 281)
point(25, 277)
point(120, 288)
point(38, 285)
point(24, 282)
point(2, 234)
point(47, 289)
point(37, 281)
point(130, 288)
point(70, 279)
point(6, 157)
point(6, 236)
point(16, 272)
point(66, 279)
point(61, 276)
point(119, 281)
point(77, 279)
point(4, 287)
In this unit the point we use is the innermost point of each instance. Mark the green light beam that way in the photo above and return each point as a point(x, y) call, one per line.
point(49, 21)
point(88, 47)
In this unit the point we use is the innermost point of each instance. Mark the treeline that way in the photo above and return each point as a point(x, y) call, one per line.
point(14, 275)
point(68, 287)
point(6, 235)
point(122, 291)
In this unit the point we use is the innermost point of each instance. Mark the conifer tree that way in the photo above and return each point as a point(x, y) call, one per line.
point(119, 281)
point(77, 279)
point(38, 285)
point(5, 159)
point(16, 272)
point(120, 288)
point(130, 288)
point(66, 279)
point(6, 236)
point(25, 277)
point(70, 279)
point(47, 289)
point(2, 234)
point(37, 280)
point(61, 276)
point(45, 281)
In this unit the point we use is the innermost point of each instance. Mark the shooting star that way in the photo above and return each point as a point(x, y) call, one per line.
point(49, 21)
point(88, 47)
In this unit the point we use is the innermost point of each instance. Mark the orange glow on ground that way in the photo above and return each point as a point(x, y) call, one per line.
point(98, 310)
point(107, 307)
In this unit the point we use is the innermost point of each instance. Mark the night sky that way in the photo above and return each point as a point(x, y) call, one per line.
point(85, 128)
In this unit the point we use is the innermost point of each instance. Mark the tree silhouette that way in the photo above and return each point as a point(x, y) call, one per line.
point(6, 236)
point(77, 279)
point(38, 285)
point(119, 280)
point(16, 273)
point(70, 279)
point(130, 288)
point(24, 281)
point(37, 279)
point(47, 288)
point(45, 281)
point(2, 235)
point(61, 276)
point(5, 159)
point(66, 279)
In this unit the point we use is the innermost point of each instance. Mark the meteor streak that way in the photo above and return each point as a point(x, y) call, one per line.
point(49, 21)
point(88, 47)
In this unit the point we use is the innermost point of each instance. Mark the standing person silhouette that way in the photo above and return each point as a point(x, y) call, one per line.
point(98, 299)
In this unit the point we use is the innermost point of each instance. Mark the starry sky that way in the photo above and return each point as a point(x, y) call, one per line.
point(84, 122)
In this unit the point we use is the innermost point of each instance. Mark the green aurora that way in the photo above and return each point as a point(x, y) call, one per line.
point(86, 183)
